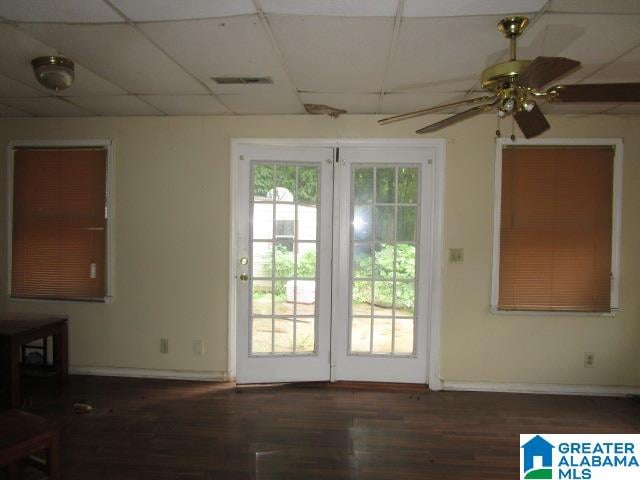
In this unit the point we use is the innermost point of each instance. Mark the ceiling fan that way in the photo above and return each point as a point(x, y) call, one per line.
point(516, 85)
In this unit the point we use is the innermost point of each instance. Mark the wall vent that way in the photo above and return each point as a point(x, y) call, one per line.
point(242, 80)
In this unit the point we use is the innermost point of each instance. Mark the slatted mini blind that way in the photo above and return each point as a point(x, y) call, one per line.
point(59, 225)
point(555, 228)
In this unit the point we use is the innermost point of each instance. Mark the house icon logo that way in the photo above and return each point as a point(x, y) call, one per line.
point(537, 461)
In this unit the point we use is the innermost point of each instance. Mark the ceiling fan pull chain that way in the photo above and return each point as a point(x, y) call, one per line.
point(513, 129)
point(498, 134)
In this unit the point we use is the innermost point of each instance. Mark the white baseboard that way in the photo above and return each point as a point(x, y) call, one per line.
point(211, 376)
point(545, 388)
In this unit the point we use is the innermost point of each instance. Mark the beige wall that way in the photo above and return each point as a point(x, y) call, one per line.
point(171, 250)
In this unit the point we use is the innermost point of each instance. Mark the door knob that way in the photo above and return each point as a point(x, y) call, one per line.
point(244, 277)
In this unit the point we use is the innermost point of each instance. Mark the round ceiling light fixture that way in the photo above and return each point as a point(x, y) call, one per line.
point(54, 72)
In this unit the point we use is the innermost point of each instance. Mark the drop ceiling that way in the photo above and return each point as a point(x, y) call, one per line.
point(158, 57)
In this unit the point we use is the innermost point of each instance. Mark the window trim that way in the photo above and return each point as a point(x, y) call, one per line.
point(110, 260)
point(616, 221)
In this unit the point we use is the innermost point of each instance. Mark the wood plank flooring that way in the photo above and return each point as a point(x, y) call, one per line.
point(156, 429)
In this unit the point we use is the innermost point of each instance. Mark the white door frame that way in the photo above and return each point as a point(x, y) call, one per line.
point(437, 219)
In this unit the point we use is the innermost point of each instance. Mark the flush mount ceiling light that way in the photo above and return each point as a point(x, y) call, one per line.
point(56, 73)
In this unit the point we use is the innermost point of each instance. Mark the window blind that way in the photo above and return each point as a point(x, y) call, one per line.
point(59, 225)
point(555, 229)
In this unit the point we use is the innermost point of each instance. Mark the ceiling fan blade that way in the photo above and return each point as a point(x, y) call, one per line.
point(472, 112)
point(595, 92)
point(425, 111)
point(543, 70)
point(531, 123)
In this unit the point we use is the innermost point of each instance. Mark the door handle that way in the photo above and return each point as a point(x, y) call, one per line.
point(244, 277)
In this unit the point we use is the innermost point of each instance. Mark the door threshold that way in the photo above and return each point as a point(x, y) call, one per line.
point(339, 385)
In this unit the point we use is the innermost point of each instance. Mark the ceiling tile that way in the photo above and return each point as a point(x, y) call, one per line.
point(625, 69)
point(120, 54)
point(123, 105)
point(393, 103)
point(46, 107)
point(6, 111)
point(351, 102)
point(583, 39)
point(262, 103)
point(421, 64)
point(355, 8)
point(235, 46)
point(11, 88)
point(17, 49)
point(187, 104)
point(334, 54)
point(152, 10)
point(595, 6)
point(450, 8)
point(76, 11)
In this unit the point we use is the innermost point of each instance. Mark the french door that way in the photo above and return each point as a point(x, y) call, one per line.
point(333, 248)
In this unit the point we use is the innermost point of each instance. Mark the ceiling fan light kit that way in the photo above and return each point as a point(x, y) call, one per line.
point(54, 72)
point(516, 86)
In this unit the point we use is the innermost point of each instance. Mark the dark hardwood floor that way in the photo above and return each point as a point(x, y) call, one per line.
point(156, 429)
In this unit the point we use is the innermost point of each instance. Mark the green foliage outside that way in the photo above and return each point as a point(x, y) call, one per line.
point(285, 268)
point(265, 178)
point(383, 260)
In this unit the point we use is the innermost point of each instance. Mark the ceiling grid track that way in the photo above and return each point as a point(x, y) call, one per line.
point(392, 47)
point(269, 31)
point(133, 24)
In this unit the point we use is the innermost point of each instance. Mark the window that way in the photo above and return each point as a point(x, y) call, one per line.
point(59, 230)
point(556, 230)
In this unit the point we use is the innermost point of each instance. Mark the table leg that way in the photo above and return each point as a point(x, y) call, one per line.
point(53, 457)
point(10, 365)
point(61, 353)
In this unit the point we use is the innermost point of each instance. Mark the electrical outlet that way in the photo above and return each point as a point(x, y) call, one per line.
point(589, 360)
point(456, 255)
point(164, 345)
point(198, 347)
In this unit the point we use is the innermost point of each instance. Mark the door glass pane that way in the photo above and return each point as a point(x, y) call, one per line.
point(385, 223)
point(284, 248)
point(305, 334)
point(262, 221)
point(307, 222)
point(262, 257)
point(385, 185)
point(307, 184)
point(406, 224)
point(384, 260)
point(262, 300)
point(362, 221)
point(405, 261)
point(361, 298)
point(362, 261)
point(262, 182)
point(361, 335)
point(405, 299)
point(283, 335)
point(385, 292)
point(403, 336)
point(382, 335)
point(261, 335)
point(285, 185)
point(407, 185)
point(306, 260)
point(363, 185)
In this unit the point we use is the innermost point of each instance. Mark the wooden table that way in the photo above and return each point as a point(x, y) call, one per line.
point(22, 435)
point(20, 329)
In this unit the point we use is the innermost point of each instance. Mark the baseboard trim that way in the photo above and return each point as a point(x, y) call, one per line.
point(544, 388)
point(205, 376)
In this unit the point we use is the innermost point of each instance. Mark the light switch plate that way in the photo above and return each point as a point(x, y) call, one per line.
point(456, 255)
